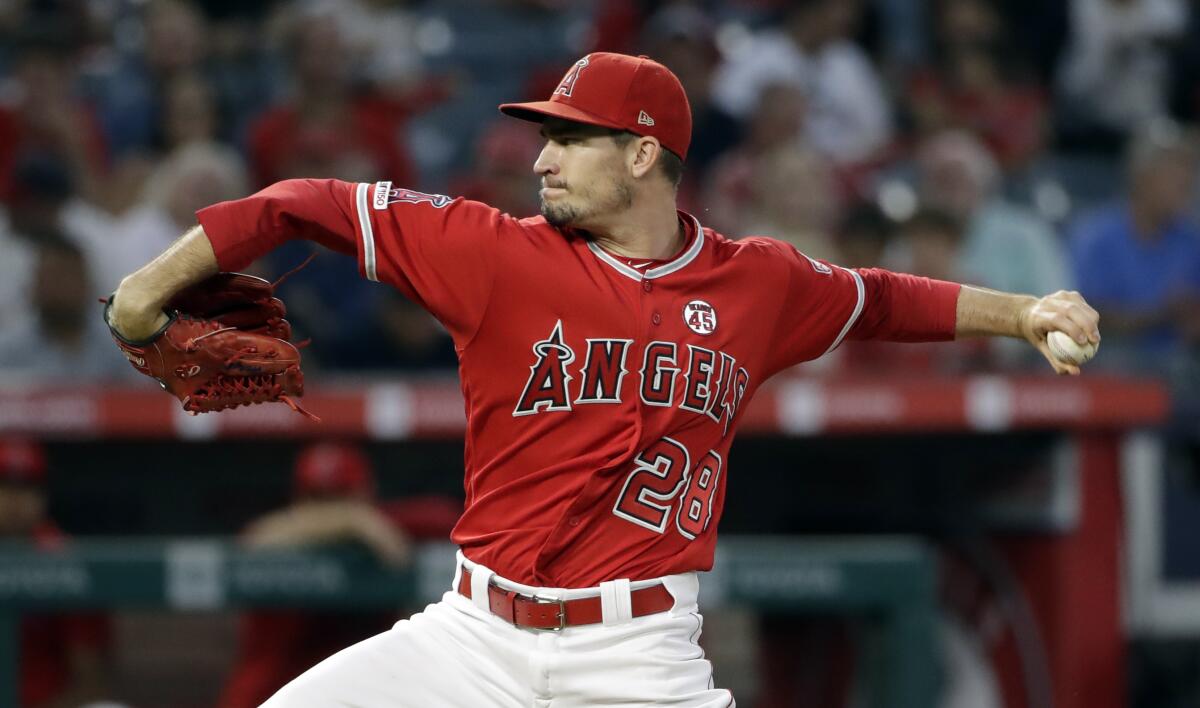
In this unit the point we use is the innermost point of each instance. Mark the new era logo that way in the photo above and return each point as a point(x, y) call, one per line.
point(645, 119)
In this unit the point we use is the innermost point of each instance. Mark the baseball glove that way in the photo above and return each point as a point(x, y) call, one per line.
point(225, 344)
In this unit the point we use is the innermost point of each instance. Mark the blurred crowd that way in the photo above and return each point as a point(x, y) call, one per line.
point(1015, 144)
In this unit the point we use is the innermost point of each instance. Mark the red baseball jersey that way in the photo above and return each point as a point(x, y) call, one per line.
point(601, 397)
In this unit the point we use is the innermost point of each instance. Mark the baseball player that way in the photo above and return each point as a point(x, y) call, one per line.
point(607, 349)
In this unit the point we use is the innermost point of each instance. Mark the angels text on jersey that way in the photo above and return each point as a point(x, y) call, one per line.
point(692, 378)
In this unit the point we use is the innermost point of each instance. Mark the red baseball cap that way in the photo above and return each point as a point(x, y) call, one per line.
point(332, 468)
point(618, 91)
point(22, 461)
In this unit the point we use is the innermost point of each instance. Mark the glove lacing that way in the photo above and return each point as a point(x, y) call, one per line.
point(227, 391)
point(233, 391)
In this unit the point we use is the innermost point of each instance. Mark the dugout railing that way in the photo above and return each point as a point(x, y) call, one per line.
point(890, 580)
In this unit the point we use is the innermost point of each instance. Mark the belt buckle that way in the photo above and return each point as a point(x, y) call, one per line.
point(562, 611)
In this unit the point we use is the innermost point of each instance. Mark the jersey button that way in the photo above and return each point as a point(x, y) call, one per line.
point(574, 521)
point(656, 319)
point(647, 286)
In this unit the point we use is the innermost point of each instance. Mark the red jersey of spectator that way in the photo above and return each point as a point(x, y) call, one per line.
point(48, 642)
point(18, 138)
point(1010, 119)
point(367, 143)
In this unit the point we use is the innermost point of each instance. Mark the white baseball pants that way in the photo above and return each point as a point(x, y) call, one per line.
point(457, 654)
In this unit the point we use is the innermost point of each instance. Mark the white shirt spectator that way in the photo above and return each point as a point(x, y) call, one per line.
point(1010, 248)
point(384, 37)
point(1115, 67)
point(848, 119)
point(117, 245)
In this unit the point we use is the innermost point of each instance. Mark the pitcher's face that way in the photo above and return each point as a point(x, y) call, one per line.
point(584, 174)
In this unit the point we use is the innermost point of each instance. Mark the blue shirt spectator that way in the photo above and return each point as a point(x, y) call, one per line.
point(1138, 261)
point(1118, 268)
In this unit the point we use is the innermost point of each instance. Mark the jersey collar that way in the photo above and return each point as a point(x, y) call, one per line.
point(679, 262)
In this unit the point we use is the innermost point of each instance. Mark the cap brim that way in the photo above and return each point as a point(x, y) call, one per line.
point(539, 111)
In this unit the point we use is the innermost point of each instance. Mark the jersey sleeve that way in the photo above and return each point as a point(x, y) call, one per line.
point(825, 304)
point(243, 230)
point(441, 252)
point(820, 303)
point(899, 307)
point(437, 251)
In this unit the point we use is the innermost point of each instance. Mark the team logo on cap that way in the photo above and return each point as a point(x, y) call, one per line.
point(645, 119)
point(700, 317)
point(567, 85)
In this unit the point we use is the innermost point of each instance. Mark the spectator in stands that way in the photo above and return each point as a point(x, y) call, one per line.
point(65, 340)
point(1138, 260)
point(804, 212)
point(333, 501)
point(977, 83)
point(862, 236)
point(849, 116)
point(775, 123)
point(45, 207)
point(325, 127)
point(1113, 76)
point(933, 240)
point(144, 205)
point(189, 112)
point(1007, 247)
point(192, 176)
point(500, 175)
point(683, 38)
point(43, 118)
point(930, 243)
point(129, 88)
point(387, 35)
point(616, 25)
point(16, 265)
point(63, 656)
point(112, 226)
point(41, 187)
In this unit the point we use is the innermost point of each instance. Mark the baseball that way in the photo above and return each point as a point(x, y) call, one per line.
point(1067, 350)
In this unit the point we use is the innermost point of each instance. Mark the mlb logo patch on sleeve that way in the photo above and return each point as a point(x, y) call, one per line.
point(379, 199)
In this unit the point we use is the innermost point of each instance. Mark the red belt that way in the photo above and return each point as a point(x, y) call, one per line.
point(537, 612)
